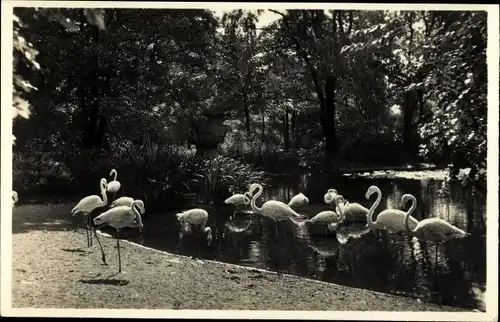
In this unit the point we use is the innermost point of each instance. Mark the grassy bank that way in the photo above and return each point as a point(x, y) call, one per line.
point(53, 268)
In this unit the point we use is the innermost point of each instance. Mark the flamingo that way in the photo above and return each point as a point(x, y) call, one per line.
point(330, 196)
point(431, 229)
point(15, 197)
point(238, 200)
point(89, 204)
point(197, 217)
point(114, 185)
point(392, 220)
point(298, 200)
point(120, 217)
point(125, 201)
point(276, 210)
point(326, 218)
point(353, 212)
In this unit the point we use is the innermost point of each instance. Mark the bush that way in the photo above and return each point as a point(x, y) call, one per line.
point(162, 176)
point(222, 176)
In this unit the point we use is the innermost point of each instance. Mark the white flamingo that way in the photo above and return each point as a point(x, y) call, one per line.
point(392, 220)
point(353, 212)
point(114, 185)
point(276, 210)
point(298, 200)
point(238, 200)
point(326, 218)
point(431, 229)
point(125, 201)
point(121, 217)
point(330, 196)
point(15, 197)
point(89, 204)
point(197, 217)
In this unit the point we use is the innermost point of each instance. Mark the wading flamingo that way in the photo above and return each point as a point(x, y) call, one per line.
point(392, 220)
point(431, 229)
point(298, 200)
point(197, 217)
point(120, 217)
point(276, 210)
point(15, 198)
point(89, 204)
point(114, 185)
point(238, 200)
point(326, 218)
point(351, 212)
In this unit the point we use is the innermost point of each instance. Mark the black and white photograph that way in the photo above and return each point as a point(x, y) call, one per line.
point(250, 160)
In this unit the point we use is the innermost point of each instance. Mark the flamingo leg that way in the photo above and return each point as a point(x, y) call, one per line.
point(90, 228)
point(103, 258)
point(119, 256)
point(86, 224)
point(276, 257)
point(326, 233)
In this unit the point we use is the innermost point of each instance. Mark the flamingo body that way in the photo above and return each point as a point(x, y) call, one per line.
point(325, 217)
point(114, 186)
point(87, 205)
point(196, 217)
point(393, 220)
point(120, 217)
point(437, 230)
point(298, 200)
point(238, 199)
point(123, 201)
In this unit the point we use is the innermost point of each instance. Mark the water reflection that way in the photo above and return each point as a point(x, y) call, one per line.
point(347, 254)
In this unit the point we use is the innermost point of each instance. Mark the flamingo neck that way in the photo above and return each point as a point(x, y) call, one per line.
point(115, 173)
point(254, 198)
point(408, 213)
point(369, 215)
point(104, 195)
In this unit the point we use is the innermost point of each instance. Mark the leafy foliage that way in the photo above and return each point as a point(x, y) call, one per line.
point(155, 93)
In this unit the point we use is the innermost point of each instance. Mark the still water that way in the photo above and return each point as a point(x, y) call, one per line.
point(353, 255)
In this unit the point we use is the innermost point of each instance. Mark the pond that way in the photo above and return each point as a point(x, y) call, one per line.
point(353, 255)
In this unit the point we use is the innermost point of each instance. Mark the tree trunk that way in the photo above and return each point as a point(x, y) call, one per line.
point(408, 126)
point(286, 131)
point(294, 129)
point(328, 117)
point(247, 111)
point(93, 124)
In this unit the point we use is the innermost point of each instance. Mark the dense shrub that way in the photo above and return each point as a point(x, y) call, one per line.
point(162, 175)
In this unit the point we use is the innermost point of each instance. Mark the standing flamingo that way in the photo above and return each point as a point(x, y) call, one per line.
point(114, 185)
point(120, 217)
point(238, 200)
point(298, 200)
point(392, 220)
point(197, 217)
point(276, 210)
point(89, 204)
point(15, 197)
point(431, 229)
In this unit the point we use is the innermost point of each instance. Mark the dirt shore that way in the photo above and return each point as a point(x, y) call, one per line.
point(53, 268)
